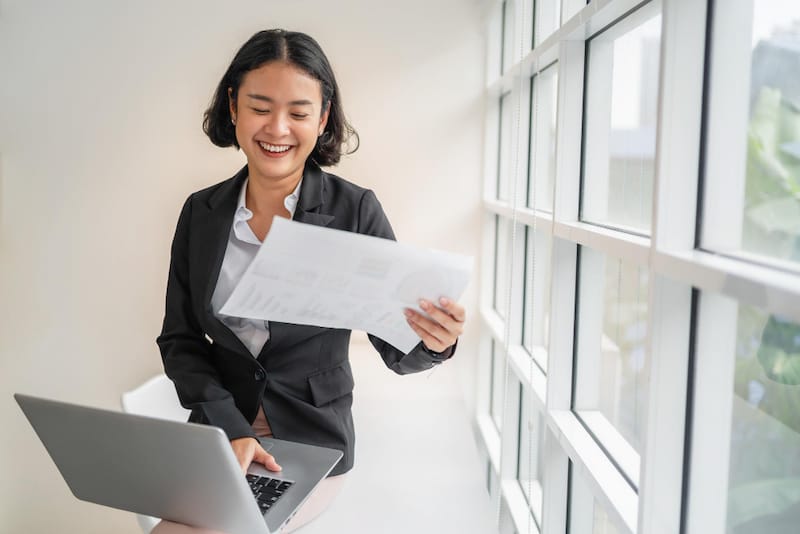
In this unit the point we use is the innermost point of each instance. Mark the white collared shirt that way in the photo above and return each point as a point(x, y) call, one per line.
point(241, 249)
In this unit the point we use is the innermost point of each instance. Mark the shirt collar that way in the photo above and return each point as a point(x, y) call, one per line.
point(241, 229)
point(291, 201)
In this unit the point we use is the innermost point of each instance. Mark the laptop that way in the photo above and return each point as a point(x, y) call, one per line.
point(183, 472)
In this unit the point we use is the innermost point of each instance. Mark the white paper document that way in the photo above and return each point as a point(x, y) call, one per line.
point(306, 274)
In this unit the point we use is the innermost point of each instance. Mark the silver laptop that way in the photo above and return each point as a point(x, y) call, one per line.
point(179, 471)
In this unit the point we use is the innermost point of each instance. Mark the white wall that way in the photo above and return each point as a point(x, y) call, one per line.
point(100, 142)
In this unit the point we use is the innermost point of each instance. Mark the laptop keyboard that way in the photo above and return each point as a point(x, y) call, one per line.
point(267, 490)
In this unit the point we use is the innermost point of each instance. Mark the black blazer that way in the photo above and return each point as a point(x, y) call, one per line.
point(302, 377)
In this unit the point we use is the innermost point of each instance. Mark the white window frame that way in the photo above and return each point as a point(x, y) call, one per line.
point(679, 273)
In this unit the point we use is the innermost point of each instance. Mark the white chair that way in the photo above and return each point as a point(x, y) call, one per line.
point(154, 398)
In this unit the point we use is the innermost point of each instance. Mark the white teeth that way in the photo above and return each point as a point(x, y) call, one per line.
point(274, 148)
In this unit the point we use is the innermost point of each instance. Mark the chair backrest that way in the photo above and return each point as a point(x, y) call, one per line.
point(155, 398)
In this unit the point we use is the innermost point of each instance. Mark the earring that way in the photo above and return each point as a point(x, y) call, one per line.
point(233, 121)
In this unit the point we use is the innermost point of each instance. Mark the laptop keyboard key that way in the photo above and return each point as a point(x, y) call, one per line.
point(266, 490)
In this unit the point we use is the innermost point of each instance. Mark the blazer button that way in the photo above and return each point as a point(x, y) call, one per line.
point(259, 375)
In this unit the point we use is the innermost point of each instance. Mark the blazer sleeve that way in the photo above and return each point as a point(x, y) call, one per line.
point(185, 351)
point(373, 221)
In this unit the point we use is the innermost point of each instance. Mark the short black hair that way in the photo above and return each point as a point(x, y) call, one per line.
point(303, 52)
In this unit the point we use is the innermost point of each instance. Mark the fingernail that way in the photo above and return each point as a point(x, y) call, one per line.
point(444, 301)
point(407, 312)
point(424, 304)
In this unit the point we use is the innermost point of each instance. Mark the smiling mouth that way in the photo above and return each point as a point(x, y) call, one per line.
point(274, 150)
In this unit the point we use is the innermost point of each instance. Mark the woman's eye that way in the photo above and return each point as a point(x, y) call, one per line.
point(260, 111)
point(299, 115)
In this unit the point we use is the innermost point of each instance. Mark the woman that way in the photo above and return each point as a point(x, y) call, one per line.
point(280, 104)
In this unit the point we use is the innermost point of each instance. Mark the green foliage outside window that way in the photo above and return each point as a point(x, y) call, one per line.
point(772, 195)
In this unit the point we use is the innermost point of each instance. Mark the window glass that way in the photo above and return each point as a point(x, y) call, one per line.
point(529, 464)
point(613, 362)
point(586, 515)
point(542, 152)
point(502, 262)
point(507, 52)
point(498, 385)
point(620, 122)
point(771, 207)
point(504, 162)
point(764, 473)
point(545, 19)
point(536, 317)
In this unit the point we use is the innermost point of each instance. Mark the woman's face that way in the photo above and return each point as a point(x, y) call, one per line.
point(278, 114)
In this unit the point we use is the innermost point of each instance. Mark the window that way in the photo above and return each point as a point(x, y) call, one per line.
point(753, 358)
point(504, 168)
point(642, 275)
point(536, 317)
point(620, 122)
point(612, 360)
point(498, 385)
point(545, 19)
point(529, 459)
point(586, 514)
point(502, 264)
point(765, 425)
point(542, 164)
point(508, 40)
point(754, 134)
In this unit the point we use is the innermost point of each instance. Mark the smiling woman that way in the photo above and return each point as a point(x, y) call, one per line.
point(270, 123)
point(277, 128)
point(280, 104)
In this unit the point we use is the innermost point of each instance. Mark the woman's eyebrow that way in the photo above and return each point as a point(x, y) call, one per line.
point(271, 101)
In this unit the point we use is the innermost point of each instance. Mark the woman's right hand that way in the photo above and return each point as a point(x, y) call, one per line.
point(249, 450)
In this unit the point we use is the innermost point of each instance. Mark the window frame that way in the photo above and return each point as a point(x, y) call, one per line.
point(679, 272)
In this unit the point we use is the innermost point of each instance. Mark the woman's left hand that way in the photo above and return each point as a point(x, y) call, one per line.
point(443, 325)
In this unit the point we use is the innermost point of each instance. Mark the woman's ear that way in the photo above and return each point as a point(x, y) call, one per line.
point(231, 105)
point(323, 119)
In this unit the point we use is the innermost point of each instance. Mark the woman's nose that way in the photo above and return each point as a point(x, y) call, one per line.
point(279, 125)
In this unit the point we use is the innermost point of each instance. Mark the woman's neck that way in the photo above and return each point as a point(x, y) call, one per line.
point(266, 196)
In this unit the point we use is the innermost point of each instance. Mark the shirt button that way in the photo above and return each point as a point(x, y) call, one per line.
point(259, 375)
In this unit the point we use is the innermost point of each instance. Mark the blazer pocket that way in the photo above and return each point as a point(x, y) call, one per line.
point(330, 384)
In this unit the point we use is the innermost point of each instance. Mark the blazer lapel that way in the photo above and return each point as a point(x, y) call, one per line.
point(309, 217)
point(311, 198)
point(215, 226)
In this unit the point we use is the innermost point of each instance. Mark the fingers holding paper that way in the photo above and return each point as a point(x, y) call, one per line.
point(442, 326)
